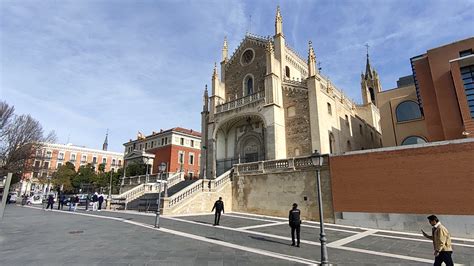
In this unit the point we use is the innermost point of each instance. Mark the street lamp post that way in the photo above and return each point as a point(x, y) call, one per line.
point(110, 190)
point(161, 168)
point(317, 160)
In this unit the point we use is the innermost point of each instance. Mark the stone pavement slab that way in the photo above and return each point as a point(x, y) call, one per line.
point(35, 237)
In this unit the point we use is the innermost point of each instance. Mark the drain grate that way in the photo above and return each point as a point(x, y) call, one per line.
point(76, 232)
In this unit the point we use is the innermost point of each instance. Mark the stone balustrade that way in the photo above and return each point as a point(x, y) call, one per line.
point(278, 165)
point(240, 102)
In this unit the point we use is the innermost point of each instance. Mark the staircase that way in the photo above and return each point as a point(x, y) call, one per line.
point(148, 201)
point(142, 189)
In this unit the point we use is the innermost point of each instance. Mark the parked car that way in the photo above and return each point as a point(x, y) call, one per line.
point(13, 197)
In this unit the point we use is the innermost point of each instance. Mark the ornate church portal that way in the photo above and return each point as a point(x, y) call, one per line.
point(240, 140)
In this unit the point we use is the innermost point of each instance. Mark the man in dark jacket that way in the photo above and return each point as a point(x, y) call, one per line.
point(50, 201)
point(219, 207)
point(295, 224)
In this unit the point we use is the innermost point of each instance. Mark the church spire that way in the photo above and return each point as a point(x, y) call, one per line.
point(278, 23)
point(205, 106)
point(106, 141)
point(311, 60)
point(224, 50)
point(368, 68)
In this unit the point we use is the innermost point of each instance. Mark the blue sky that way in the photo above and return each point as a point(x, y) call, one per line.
point(80, 67)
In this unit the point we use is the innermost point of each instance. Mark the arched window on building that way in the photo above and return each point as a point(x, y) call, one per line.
point(349, 146)
point(413, 140)
point(248, 84)
point(291, 111)
point(297, 152)
point(332, 143)
point(372, 94)
point(408, 110)
point(287, 72)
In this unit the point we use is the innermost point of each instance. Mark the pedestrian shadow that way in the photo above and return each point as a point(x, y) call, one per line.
point(201, 222)
point(268, 240)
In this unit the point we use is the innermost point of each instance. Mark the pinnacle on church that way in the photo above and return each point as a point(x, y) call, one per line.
point(269, 46)
point(224, 50)
point(214, 74)
point(311, 60)
point(278, 22)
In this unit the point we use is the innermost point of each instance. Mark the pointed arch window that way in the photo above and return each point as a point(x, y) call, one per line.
point(248, 85)
point(332, 143)
point(372, 94)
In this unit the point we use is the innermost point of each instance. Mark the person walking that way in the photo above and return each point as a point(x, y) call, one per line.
point(95, 198)
point(87, 202)
point(50, 202)
point(101, 200)
point(62, 198)
point(441, 241)
point(76, 201)
point(294, 220)
point(219, 207)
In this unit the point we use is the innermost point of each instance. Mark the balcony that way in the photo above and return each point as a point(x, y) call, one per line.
point(240, 102)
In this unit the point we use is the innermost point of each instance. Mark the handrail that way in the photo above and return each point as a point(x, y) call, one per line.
point(185, 192)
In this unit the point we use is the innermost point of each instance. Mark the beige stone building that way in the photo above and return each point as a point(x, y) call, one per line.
point(269, 103)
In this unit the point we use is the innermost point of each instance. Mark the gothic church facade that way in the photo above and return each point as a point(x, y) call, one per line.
point(269, 103)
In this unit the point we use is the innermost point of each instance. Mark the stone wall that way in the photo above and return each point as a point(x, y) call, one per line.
point(235, 72)
point(297, 127)
point(274, 193)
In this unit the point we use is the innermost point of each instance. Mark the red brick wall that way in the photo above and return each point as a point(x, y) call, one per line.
point(434, 179)
point(169, 154)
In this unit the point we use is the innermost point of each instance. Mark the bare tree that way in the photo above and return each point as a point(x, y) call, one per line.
point(20, 137)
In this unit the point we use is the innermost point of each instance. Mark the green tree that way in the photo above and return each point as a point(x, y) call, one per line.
point(84, 177)
point(63, 176)
point(136, 169)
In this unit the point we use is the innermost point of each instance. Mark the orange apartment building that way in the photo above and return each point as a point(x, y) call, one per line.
point(48, 159)
point(178, 148)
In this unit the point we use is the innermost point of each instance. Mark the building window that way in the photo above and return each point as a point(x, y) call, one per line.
point(287, 71)
point(247, 57)
point(347, 120)
point(372, 95)
point(73, 157)
point(94, 160)
point(190, 174)
point(181, 141)
point(467, 74)
point(46, 165)
point(104, 160)
point(48, 154)
point(140, 147)
point(297, 152)
point(119, 162)
point(413, 140)
point(61, 156)
point(37, 164)
point(360, 130)
point(248, 85)
point(181, 157)
point(191, 159)
point(465, 53)
point(371, 136)
point(151, 146)
point(407, 110)
point(59, 165)
point(146, 145)
point(349, 146)
point(113, 161)
point(331, 143)
point(291, 111)
point(192, 143)
point(84, 159)
point(329, 109)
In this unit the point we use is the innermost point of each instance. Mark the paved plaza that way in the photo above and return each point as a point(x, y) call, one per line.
point(29, 235)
